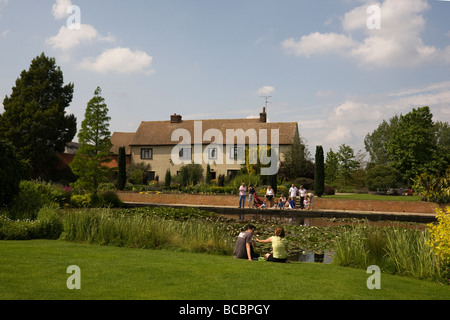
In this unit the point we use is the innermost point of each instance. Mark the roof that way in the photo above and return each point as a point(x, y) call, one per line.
point(121, 139)
point(159, 133)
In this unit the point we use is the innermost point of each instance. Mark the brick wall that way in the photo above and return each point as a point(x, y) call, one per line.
point(320, 203)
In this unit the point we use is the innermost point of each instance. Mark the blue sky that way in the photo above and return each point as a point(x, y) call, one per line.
point(209, 59)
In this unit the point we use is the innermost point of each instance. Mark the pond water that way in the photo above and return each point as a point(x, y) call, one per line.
point(321, 222)
point(323, 256)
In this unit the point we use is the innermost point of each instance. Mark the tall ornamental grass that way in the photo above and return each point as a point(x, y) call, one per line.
point(402, 251)
point(109, 227)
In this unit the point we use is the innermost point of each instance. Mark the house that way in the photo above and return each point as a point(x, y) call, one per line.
point(221, 143)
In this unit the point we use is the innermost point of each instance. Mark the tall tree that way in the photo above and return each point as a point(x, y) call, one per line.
point(12, 171)
point(35, 120)
point(376, 142)
point(347, 163)
point(413, 147)
point(319, 172)
point(296, 162)
point(122, 173)
point(331, 167)
point(95, 140)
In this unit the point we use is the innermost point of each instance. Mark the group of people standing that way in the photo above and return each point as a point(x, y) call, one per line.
point(245, 245)
point(306, 198)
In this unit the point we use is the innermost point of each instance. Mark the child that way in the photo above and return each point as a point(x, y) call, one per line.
point(281, 202)
point(306, 204)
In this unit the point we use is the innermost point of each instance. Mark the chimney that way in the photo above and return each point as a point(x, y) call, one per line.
point(176, 118)
point(263, 116)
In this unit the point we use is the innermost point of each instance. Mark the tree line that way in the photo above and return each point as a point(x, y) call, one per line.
point(404, 151)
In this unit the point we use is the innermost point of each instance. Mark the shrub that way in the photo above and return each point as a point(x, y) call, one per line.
point(105, 199)
point(434, 188)
point(382, 177)
point(33, 195)
point(48, 225)
point(440, 235)
point(329, 191)
point(110, 199)
point(282, 190)
point(223, 190)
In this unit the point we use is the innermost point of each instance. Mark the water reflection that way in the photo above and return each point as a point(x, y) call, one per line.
point(322, 222)
point(312, 257)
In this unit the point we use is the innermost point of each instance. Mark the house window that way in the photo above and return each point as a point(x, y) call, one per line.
point(185, 153)
point(212, 153)
point(151, 175)
point(232, 173)
point(146, 154)
point(237, 153)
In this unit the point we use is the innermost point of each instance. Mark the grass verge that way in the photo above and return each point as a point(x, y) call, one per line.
point(36, 270)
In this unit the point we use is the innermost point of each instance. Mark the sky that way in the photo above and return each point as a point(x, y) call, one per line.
point(337, 67)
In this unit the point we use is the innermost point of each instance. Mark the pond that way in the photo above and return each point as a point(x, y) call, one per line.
point(320, 222)
point(307, 233)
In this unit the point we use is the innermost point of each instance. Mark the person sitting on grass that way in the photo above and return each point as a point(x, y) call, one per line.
point(279, 246)
point(245, 243)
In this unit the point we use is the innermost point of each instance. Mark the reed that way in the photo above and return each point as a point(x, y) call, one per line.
point(395, 250)
point(109, 227)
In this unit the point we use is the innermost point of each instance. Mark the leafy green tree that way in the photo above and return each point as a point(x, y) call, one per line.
point(376, 142)
point(122, 174)
point(319, 172)
point(413, 147)
point(95, 140)
point(35, 120)
point(296, 162)
point(347, 163)
point(331, 167)
point(12, 171)
point(383, 177)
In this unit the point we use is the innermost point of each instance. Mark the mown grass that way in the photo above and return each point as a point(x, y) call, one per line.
point(36, 270)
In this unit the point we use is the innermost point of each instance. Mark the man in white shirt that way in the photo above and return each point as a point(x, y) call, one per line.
point(293, 192)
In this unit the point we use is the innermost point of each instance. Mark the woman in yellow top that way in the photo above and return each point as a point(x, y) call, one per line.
point(279, 246)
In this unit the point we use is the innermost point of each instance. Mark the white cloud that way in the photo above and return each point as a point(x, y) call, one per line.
point(59, 9)
point(318, 43)
point(397, 44)
point(67, 39)
point(266, 90)
point(349, 122)
point(120, 60)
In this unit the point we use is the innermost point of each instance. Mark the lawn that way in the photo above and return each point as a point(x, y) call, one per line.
point(37, 270)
